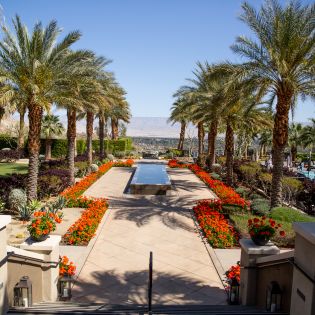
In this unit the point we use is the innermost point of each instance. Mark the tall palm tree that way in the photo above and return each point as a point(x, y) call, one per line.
point(281, 62)
point(179, 114)
point(36, 64)
point(51, 126)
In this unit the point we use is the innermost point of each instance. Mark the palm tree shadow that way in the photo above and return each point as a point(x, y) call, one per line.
point(173, 212)
point(130, 289)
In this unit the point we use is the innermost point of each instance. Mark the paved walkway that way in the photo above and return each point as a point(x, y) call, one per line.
point(116, 271)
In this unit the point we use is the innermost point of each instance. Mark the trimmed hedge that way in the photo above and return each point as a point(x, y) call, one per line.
point(59, 146)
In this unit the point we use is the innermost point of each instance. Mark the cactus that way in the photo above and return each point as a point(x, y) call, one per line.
point(17, 198)
point(93, 168)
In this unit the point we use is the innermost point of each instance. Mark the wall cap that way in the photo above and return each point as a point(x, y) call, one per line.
point(252, 249)
point(47, 245)
point(306, 230)
point(4, 220)
point(22, 252)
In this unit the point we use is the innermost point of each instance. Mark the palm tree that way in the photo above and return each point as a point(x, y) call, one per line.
point(307, 137)
point(295, 131)
point(281, 63)
point(119, 111)
point(37, 65)
point(179, 114)
point(51, 126)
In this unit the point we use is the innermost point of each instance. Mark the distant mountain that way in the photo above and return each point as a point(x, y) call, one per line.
point(154, 127)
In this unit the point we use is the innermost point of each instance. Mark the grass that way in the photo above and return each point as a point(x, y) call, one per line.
point(10, 168)
point(284, 216)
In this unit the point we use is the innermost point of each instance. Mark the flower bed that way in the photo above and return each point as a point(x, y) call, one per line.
point(74, 192)
point(214, 225)
point(227, 194)
point(81, 232)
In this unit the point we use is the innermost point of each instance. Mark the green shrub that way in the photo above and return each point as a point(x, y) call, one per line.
point(217, 168)
point(230, 209)
point(81, 146)
point(17, 198)
point(2, 205)
point(119, 154)
point(255, 196)
point(265, 181)
point(290, 215)
point(250, 172)
point(49, 185)
point(59, 148)
point(260, 206)
point(291, 187)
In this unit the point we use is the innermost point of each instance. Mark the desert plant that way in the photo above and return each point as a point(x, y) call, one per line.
point(215, 175)
point(17, 198)
point(110, 157)
point(242, 191)
point(265, 181)
point(260, 206)
point(93, 168)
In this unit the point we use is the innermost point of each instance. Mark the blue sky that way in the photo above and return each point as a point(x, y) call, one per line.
point(154, 44)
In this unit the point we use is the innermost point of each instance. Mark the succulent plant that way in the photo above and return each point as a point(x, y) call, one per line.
point(93, 168)
point(110, 157)
point(17, 198)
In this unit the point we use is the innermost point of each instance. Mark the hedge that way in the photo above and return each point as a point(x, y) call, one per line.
point(59, 146)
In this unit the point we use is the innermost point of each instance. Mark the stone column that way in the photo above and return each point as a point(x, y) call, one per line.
point(303, 287)
point(249, 254)
point(4, 221)
point(50, 248)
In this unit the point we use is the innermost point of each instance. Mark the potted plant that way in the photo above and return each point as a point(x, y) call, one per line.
point(42, 224)
point(66, 273)
point(262, 229)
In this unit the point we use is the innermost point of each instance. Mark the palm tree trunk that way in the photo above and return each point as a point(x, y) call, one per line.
point(114, 123)
point(229, 145)
point(201, 135)
point(71, 136)
point(212, 135)
point(101, 134)
point(48, 149)
point(181, 135)
point(89, 135)
point(35, 115)
point(20, 141)
point(279, 142)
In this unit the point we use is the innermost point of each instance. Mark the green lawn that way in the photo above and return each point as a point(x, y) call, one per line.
point(10, 168)
point(284, 216)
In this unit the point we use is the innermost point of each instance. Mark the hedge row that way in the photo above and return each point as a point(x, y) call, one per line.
point(59, 146)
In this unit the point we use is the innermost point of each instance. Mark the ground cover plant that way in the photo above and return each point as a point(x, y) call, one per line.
point(216, 228)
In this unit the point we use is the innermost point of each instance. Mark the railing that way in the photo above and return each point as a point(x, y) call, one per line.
point(150, 284)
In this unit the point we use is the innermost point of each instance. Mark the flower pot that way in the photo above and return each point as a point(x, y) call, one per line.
point(260, 240)
point(39, 238)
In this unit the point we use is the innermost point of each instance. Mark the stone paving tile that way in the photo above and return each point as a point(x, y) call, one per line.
point(116, 271)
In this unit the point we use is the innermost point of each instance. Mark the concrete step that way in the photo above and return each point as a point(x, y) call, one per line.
point(67, 308)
